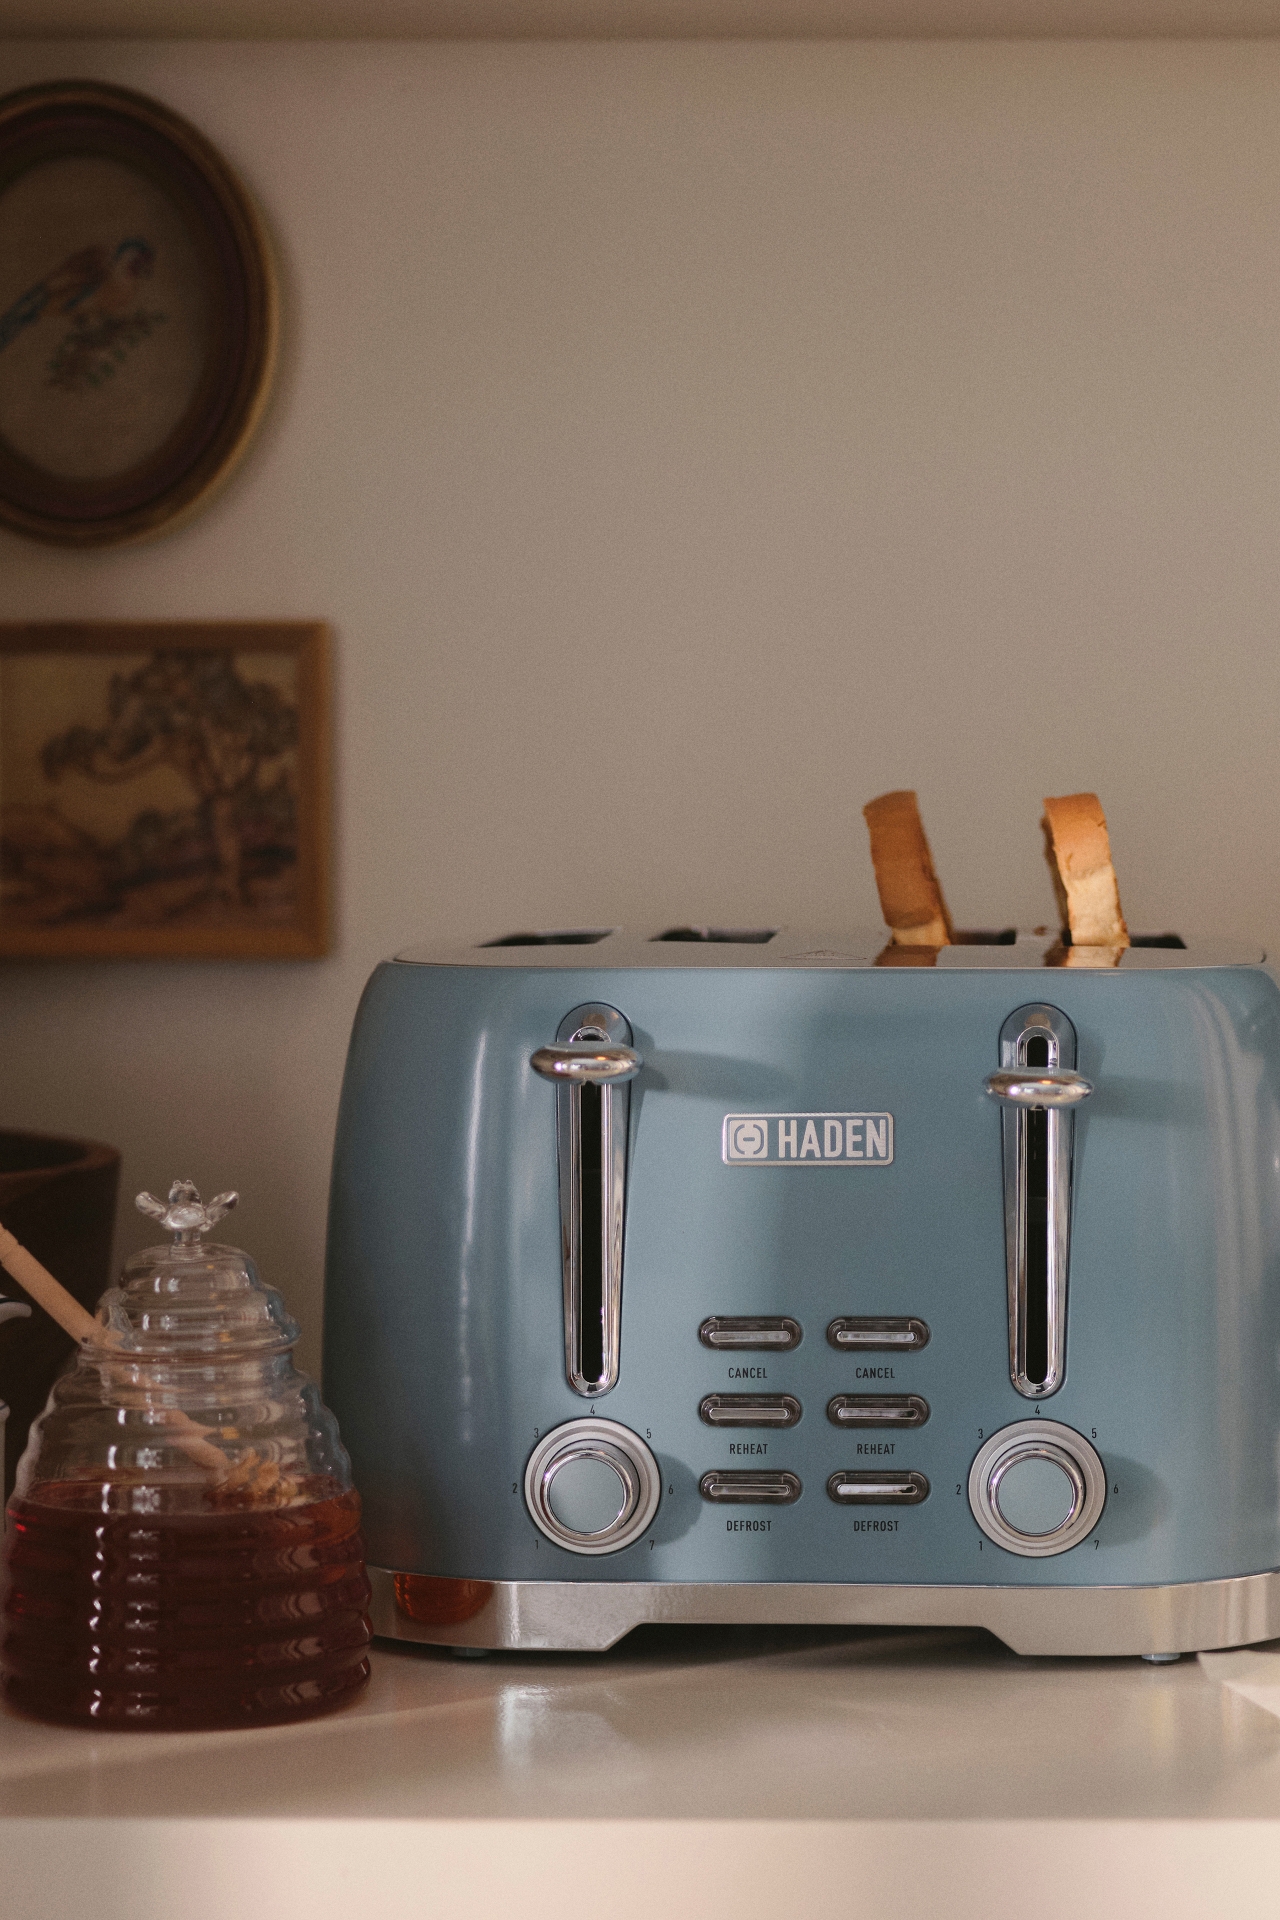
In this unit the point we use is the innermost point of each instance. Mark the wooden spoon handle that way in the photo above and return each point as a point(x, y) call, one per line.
point(47, 1292)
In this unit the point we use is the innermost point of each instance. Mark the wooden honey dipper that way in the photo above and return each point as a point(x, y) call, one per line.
point(249, 1480)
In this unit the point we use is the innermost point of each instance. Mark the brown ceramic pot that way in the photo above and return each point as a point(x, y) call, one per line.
point(58, 1197)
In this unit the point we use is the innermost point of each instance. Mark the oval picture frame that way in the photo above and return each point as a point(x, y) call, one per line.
point(138, 316)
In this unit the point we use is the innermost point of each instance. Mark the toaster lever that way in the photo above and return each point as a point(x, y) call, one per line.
point(601, 1066)
point(1042, 1087)
point(590, 1064)
point(1038, 1090)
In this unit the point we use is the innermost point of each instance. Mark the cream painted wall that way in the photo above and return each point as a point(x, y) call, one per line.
point(687, 443)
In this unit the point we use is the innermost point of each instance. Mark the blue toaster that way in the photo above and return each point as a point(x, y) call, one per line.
point(755, 1275)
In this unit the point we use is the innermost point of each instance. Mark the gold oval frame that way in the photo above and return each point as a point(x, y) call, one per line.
point(50, 122)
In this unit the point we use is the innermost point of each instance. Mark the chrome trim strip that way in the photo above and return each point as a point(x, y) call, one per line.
point(588, 1616)
point(612, 1033)
point(1030, 1023)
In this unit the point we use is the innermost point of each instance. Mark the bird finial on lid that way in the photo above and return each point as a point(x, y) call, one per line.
point(185, 1215)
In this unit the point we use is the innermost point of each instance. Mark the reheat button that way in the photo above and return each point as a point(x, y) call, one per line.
point(877, 1410)
point(750, 1410)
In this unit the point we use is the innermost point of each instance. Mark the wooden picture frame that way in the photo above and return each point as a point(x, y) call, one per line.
point(164, 790)
point(138, 315)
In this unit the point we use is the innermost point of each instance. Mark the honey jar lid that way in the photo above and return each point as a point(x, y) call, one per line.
point(192, 1296)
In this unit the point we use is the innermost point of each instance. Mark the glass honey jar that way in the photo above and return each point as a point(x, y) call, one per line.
point(183, 1545)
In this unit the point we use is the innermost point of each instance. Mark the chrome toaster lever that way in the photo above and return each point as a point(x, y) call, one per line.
point(590, 1065)
point(1038, 1089)
point(1043, 1087)
point(601, 1066)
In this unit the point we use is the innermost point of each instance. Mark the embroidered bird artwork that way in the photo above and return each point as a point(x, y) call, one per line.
point(98, 293)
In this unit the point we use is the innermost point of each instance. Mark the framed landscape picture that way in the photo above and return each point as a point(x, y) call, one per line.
point(164, 790)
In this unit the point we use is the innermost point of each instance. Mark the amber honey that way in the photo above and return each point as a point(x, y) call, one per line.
point(214, 1618)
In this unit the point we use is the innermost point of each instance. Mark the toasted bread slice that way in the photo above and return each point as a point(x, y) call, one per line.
point(910, 897)
point(1079, 851)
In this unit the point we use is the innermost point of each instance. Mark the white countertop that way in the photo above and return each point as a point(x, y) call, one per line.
point(709, 1772)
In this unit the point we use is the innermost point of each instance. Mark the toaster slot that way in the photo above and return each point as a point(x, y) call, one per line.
point(721, 936)
point(593, 1245)
point(750, 1489)
point(727, 1334)
point(863, 1334)
point(564, 937)
point(590, 1065)
point(750, 1410)
point(1037, 1338)
point(1038, 1089)
point(878, 1489)
point(877, 1410)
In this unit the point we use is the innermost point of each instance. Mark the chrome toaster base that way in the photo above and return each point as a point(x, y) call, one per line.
point(590, 1616)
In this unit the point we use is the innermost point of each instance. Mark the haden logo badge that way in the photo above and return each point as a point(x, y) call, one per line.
point(807, 1140)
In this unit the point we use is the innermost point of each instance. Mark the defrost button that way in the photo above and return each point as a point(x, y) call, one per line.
point(878, 1489)
point(750, 1489)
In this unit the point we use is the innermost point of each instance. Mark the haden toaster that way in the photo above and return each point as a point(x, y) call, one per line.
point(737, 1276)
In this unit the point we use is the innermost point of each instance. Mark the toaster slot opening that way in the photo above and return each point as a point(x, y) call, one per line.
point(1038, 1089)
point(591, 1249)
point(590, 1066)
point(1171, 940)
point(1037, 1225)
point(724, 936)
point(570, 937)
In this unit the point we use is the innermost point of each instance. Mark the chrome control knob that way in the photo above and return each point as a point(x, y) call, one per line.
point(592, 1486)
point(1037, 1488)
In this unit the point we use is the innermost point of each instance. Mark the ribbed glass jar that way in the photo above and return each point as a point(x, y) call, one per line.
point(183, 1544)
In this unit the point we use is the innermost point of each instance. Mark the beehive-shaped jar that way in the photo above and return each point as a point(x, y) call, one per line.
point(183, 1544)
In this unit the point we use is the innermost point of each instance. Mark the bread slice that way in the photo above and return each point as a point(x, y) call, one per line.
point(1079, 853)
point(910, 897)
